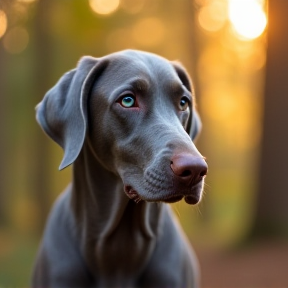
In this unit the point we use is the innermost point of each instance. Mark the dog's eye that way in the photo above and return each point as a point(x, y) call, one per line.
point(184, 102)
point(128, 101)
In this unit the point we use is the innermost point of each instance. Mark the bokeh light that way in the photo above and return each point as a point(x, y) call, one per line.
point(247, 17)
point(228, 71)
point(104, 7)
point(132, 6)
point(16, 40)
point(149, 32)
point(3, 23)
point(114, 40)
point(213, 16)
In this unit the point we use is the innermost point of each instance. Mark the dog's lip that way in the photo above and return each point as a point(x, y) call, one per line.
point(132, 194)
point(189, 199)
point(130, 191)
point(173, 198)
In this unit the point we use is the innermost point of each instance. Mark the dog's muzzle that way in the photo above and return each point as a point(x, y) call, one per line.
point(186, 181)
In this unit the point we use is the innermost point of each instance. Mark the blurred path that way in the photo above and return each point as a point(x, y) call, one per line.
point(263, 265)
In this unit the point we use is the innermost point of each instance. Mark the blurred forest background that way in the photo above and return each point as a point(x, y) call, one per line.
point(240, 229)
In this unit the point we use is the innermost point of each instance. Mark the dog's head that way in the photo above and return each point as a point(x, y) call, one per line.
point(136, 112)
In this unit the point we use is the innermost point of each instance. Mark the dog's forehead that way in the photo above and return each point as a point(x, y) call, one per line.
point(143, 64)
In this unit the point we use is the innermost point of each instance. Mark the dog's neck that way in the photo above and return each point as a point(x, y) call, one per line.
point(105, 215)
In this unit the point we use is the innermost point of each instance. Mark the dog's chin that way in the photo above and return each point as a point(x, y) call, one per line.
point(173, 199)
point(191, 199)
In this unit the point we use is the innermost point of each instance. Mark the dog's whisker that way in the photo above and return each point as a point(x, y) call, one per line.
point(177, 210)
point(138, 200)
point(207, 185)
point(198, 210)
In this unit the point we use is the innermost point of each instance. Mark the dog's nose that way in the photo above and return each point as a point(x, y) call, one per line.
point(191, 169)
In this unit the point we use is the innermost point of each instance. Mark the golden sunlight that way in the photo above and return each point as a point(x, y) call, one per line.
point(3, 23)
point(104, 7)
point(247, 17)
point(16, 40)
point(132, 6)
point(212, 17)
point(149, 31)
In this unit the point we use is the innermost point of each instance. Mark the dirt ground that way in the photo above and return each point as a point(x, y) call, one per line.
point(262, 265)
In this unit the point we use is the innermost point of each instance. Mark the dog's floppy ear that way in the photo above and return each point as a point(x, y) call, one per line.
point(194, 122)
point(62, 114)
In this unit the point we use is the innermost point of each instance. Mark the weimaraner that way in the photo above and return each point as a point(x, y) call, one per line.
point(126, 122)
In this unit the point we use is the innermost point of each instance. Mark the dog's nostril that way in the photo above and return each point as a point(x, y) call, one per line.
point(185, 173)
point(189, 167)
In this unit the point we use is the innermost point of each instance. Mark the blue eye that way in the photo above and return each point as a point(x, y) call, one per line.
point(128, 101)
point(184, 102)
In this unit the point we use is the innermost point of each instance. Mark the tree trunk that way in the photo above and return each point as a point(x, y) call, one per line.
point(271, 217)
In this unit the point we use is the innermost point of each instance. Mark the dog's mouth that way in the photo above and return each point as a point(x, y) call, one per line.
point(132, 194)
point(189, 199)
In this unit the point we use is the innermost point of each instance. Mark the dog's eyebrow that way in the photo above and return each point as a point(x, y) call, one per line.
point(177, 87)
point(139, 83)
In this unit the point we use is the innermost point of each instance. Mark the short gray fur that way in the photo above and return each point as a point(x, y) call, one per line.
point(96, 236)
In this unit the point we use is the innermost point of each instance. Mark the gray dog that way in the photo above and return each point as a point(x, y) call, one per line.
point(126, 122)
